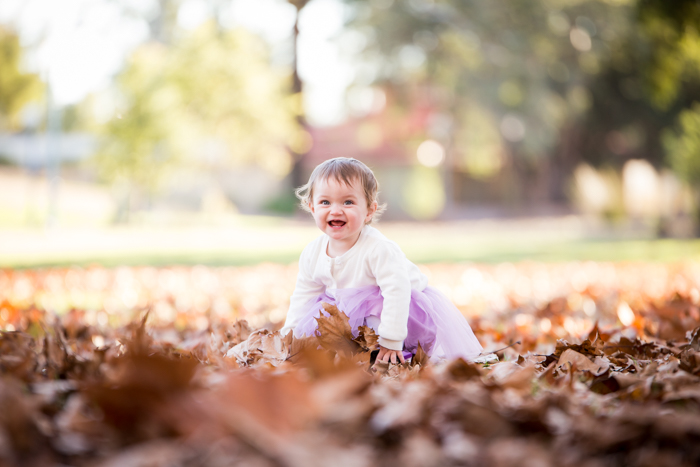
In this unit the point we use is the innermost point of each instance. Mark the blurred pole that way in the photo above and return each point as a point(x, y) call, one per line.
point(30, 123)
point(447, 170)
point(53, 155)
point(449, 166)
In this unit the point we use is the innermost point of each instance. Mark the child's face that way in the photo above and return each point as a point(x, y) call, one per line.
point(340, 210)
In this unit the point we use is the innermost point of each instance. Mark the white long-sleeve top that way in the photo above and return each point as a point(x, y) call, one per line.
point(373, 260)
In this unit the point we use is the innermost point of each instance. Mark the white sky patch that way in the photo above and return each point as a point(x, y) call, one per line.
point(81, 44)
point(325, 74)
point(9, 10)
point(271, 19)
point(192, 13)
point(78, 44)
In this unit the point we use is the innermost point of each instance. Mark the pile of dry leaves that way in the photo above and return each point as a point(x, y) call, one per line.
point(76, 393)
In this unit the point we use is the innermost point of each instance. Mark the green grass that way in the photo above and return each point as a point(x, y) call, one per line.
point(264, 242)
point(163, 258)
point(663, 250)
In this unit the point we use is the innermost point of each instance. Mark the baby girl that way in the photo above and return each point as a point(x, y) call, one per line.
point(367, 276)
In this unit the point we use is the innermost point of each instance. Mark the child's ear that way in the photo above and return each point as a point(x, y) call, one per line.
point(370, 212)
point(311, 207)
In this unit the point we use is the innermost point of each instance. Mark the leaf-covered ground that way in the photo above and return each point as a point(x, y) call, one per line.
point(182, 366)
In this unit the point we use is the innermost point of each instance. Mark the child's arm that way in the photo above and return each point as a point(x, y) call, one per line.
point(305, 290)
point(388, 265)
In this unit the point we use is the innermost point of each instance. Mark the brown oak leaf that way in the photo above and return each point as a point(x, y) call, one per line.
point(261, 347)
point(242, 331)
point(420, 358)
point(334, 331)
point(300, 345)
point(367, 339)
point(581, 361)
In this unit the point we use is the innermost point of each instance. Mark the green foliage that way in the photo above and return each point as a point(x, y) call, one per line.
point(17, 89)
point(233, 95)
point(285, 203)
point(673, 30)
point(683, 147)
point(140, 141)
point(537, 87)
point(423, 193)
point(478, 143)
point(534, 61)
point(209, 101)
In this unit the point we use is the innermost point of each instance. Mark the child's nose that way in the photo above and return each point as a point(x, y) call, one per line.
point(336, 208)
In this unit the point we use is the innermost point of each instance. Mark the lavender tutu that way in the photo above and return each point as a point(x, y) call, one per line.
point(433, 321)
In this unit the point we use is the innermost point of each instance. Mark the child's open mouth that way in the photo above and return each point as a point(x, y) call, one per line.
point(336, 224)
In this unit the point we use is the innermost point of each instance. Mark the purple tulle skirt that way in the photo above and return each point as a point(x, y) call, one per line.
point(433, 321)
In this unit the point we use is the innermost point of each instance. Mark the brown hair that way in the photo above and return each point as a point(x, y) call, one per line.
point(347, 170)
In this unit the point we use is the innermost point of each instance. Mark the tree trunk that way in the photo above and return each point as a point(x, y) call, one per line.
point(297, 174)
point(564, 161)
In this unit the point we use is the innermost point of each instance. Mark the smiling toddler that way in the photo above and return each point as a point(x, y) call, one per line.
point(367, 276)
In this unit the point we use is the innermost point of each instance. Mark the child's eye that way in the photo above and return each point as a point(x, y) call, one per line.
point(348, 202)
point(325, 202)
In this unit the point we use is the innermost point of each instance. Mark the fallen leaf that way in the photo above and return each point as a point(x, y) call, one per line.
point(87, 387)
point(367, 339)
point(582, 362)
point(420, 357)
point(461, 370)
point(334, 333)
point(262, 347)
point(241, 331)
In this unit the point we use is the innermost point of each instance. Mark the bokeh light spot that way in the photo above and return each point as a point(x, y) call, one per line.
point(580, 39)
point(545, 325)
point(625, 314)
point(512, 128)
point(430, 153)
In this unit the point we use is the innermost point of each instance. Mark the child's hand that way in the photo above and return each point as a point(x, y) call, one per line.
point(388, 355)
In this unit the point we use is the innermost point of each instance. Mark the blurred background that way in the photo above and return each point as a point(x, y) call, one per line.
point(174, 131)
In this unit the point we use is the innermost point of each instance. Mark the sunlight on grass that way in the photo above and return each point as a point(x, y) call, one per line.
point(251, 240)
